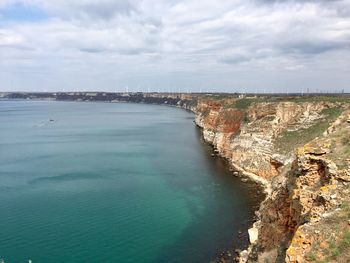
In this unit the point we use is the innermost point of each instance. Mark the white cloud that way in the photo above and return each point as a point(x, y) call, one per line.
point(155, 43)
point(10, 38)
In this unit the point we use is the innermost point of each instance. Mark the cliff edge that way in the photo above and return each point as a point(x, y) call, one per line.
point(299, 150)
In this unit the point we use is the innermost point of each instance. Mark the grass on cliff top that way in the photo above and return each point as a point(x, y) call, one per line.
point(333, 245)
point(242, 104)
point(219, 96)
point(275, 98)
point(290, 140)
point(343, 99)
point(308, 98)
point(341, 147)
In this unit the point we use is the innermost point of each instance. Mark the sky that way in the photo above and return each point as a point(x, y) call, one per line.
point(173, 45)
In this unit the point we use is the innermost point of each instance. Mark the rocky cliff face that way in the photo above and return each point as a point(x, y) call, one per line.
point(259, 140)
point(250, 137)
point(289, 217)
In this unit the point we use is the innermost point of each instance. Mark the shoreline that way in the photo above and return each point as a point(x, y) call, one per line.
point(230, 254)
point(235, 254)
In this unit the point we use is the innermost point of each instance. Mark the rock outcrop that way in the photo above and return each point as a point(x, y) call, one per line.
point(249, 137)
point(292, 218)
point(302, 185)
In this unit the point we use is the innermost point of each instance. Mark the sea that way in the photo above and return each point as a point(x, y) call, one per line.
point(114, 182)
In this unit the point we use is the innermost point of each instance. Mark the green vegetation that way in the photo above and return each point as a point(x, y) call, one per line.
point(334, 250)
point(311, 255)
point(289, 140)
point(339, 249)
point(242, 104)
point(246, 117)
point(345, 140)
point(336, 243)
point(308, 98)
point(206, 113)
point(219, 96)
point(332, 113)
point(340, 147)
point(192, 102)
point(347, 150)
point(344, 244)
point(320, 99)
point(276, 98)
point(345, 207)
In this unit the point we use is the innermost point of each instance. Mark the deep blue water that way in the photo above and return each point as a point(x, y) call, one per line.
point(108, 182)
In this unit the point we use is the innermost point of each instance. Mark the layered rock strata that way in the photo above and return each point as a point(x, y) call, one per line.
point(302, 186)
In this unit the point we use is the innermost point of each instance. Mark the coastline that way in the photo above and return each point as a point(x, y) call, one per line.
point(227, 255)
point(256, 189)
point(295, 172)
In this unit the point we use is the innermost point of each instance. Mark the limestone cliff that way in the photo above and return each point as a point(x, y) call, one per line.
point(296, 218)
point(259, 139)
point(254, 137)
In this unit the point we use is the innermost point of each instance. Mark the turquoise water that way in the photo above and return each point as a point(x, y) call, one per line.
point(107, 182)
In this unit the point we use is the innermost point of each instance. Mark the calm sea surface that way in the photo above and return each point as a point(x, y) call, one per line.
point(103, 182)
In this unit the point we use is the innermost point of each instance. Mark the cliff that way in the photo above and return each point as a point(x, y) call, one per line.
point(300, 151)
point(258, 137)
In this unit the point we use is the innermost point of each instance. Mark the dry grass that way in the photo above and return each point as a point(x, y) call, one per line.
point(289, 140)
point(334, 243)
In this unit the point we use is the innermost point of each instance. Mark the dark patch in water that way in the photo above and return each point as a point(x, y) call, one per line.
point(68, 177)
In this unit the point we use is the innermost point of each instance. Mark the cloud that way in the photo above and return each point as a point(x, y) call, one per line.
point(156, 40)
point(235, 59)
point(9, 38)
point(313, 47)
point(103, 9)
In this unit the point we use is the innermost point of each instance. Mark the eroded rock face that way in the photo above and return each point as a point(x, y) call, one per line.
point(319, 190)
point(303, 185)
point(298, 200)
point(247, 136)
point(315, 193)
point(291, 217)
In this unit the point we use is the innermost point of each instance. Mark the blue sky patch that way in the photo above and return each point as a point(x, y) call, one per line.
point(22, 13)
